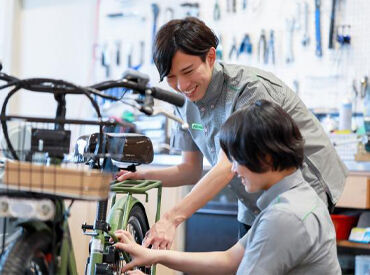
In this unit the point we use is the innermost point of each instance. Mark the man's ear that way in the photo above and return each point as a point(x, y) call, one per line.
point(211, 56)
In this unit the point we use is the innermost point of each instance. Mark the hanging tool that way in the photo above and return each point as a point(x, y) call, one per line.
point(231, 6)
point(298, 18)
point(216, 11)
point(234, 6)
point(105, 60)
point(219, 52)
point(364, 86)
point(306, 37)
point(246, 45)
point(289, 44)
point(192, 9)
point(130, 57)
point(169, 14)
point(155, 11)
point(244, 4)
point(332, 22)
point(343, 36)
point(296, 86)
point(262, 45)
point(233, 51)
point(118, 52)
point(318, 28)
point(270, 53)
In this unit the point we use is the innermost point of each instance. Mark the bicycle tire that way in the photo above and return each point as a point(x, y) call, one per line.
point(27, 255)
point(138, 226)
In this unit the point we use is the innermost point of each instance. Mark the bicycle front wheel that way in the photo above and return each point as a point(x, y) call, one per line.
point(27, 255)
point(138, 226)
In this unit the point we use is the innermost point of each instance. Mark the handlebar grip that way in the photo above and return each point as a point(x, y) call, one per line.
point(170, 97)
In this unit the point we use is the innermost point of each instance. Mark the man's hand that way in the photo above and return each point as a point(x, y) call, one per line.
point(161, 235)
point(125, 175)
point(140, 256)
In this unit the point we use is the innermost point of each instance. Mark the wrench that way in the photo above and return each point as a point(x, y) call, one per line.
point(155, 10)
point(306, 37)
point(332, 22)
point(290, 30)
point(317, 28)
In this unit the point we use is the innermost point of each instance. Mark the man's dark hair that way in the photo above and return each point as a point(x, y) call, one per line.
point(262, 136)
point(189, 35)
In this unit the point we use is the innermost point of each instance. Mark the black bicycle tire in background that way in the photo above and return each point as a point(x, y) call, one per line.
point(24, 256)
point(138, 221)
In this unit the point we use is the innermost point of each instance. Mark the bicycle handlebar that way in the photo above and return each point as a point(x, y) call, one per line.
point(60, 86)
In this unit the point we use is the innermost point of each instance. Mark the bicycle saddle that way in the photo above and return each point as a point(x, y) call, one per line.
point(120, 147)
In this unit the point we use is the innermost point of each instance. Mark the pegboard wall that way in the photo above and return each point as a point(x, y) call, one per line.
point(125, 33)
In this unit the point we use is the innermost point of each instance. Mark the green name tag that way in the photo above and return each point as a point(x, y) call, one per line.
point(197, 126)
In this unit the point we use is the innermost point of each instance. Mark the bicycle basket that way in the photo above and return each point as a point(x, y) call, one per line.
point(35, 145)
point(36, 150)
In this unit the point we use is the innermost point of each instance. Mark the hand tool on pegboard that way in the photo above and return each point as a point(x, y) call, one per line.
point(318, 50)
point(118, 52)
point(231, 6)
point(246, 45)
point(270, 52)
point(262, 46)
point(233, 50)
point(169, 14)
point(244, 4)
point(343, 35)
point(332, 22)
point(216, 11)
point(192, 9)
point(306, 37)
point(289, 58)
point(105, 60)
point(155, 11)
point(219, 51)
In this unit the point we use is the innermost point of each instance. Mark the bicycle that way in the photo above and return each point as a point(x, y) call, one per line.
point(35, 174)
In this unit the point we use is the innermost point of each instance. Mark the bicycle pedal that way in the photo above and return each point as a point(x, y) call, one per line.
point(85, 227)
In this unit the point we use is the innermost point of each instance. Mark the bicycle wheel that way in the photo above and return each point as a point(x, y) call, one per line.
point(138, 226)
point(27, 255)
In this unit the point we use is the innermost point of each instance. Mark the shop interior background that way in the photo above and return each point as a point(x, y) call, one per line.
point(69, 39)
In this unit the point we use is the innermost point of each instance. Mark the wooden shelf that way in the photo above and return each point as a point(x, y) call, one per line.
point(347, 247)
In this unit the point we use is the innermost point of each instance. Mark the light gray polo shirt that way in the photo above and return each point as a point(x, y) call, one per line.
point(293, 234)
point(231, 88)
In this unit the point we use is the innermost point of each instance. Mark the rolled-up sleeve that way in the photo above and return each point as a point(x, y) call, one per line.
point(181, 139)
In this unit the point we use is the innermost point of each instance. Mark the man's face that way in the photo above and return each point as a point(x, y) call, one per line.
point(252, 181)
point(189, 75)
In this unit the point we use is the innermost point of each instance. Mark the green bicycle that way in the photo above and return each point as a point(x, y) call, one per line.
point(36, 179)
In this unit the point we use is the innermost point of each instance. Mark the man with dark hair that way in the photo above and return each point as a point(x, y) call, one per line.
point(185, 54)
point(293, 233)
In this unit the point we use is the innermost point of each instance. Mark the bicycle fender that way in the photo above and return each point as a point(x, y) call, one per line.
point(116, 213)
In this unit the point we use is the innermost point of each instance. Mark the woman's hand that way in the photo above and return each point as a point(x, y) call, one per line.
point(140, 255)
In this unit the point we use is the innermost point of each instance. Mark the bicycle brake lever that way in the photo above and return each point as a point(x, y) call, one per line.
point(158, 111)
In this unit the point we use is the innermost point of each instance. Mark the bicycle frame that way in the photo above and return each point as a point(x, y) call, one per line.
point(118, 217)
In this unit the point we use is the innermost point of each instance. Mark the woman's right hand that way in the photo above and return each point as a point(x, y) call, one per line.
point(140, 256)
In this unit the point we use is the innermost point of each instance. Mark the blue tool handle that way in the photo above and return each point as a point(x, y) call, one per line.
point(317, 28)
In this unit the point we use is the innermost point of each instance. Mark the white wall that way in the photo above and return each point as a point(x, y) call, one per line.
point(54, 39)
